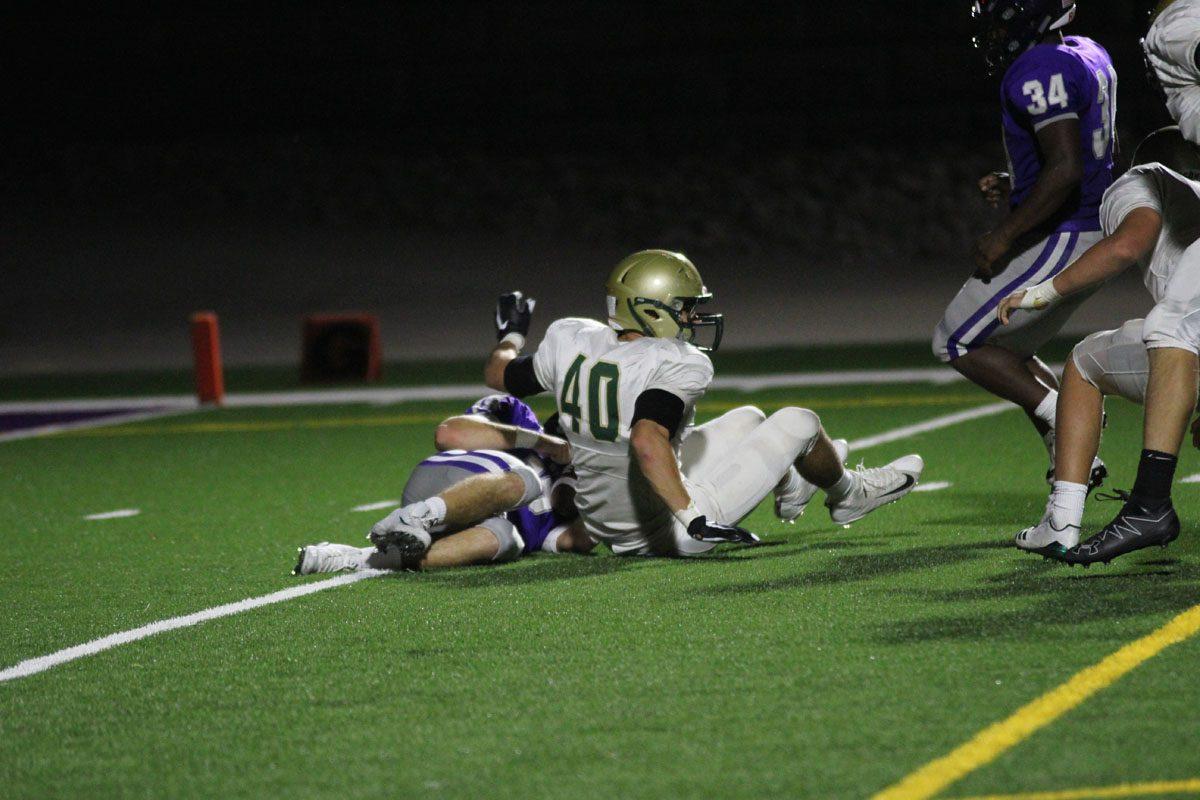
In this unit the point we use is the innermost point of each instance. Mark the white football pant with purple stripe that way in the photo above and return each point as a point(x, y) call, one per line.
point(970, 319)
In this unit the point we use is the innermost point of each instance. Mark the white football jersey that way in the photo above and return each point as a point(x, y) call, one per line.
point(1175, 198)
point(596, 381)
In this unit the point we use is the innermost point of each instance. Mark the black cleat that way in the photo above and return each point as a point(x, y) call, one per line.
point(1135, 527)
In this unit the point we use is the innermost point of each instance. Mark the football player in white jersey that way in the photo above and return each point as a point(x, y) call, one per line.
point(1151, 217)
point(626, 394)
point(1172, 47)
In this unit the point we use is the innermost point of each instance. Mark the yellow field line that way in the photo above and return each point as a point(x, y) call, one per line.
point(1002, 736)
point(250, 426)
point(1191, 785)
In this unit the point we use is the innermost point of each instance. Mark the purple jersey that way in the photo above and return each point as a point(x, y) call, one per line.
point(1049, 83)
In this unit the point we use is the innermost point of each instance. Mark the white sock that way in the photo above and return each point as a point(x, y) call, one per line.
point(843, 487)
point(1066, 504)
point(431, 511)
point(1046, 411)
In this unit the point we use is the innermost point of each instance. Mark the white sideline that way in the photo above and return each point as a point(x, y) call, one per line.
point(114, 419)
point(400, 394)
point(42, 663)
point(33, 666)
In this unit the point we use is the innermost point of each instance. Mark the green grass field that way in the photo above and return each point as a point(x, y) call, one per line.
point(830, 663)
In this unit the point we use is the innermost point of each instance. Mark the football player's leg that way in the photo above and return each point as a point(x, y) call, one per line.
point(1081, 409)
point(730, 487)
point(705, 446)
point(492, 541)
point(1172, 337)
point(459, 502)
point(969, 337)
point(793, 438)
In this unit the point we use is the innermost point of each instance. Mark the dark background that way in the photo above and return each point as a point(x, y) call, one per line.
point(414, 159)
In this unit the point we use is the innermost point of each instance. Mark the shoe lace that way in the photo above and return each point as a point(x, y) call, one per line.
point(876, 477)
point(1116, 494)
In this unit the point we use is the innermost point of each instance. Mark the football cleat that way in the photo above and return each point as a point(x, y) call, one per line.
point(1046, 538)
point(875, 487)
point(326, 557)
point(1095, 478)
point(404, 530)
point(790, 505)
point(1135, 527)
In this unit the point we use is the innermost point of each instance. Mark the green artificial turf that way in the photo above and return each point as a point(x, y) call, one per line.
point(829, 663)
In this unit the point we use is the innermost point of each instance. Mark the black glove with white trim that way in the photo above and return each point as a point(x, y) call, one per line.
point(514, 312)
point(702, 530)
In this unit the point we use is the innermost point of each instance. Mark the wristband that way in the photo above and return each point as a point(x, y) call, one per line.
point(514, 338)
point(1039, 296)
point(686, 515)
point(526, 439)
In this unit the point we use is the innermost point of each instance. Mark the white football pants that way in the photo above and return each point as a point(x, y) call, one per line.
point(734, 461)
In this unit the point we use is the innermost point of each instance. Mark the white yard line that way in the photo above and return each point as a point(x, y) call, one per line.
point(1191, 478)
point(930, 425)
point(376, 506)
point(400, 394)
point(42, 663)
point(33, 666)
point(120, 513)
point(933, 486)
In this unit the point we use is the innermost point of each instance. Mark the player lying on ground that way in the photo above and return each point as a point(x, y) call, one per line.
point(1152, 219)
point(1172, 47)
point(1058, 108)
point(493, 494)
point(626, 396)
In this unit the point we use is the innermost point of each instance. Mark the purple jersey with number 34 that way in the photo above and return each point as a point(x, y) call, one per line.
point(1050, 83)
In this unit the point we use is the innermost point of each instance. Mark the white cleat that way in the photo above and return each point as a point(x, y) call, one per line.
point(875, 487)
point(1046, 538)
point(789, 506)
point(326, 557)
point(405, 530)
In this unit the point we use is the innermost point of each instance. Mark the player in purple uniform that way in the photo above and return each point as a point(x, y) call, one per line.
point(495, 489)
point(1058, 102)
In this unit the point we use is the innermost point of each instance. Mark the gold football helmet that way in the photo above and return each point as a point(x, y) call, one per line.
point(655, 293)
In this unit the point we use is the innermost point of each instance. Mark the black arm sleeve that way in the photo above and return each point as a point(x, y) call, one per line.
point(519, 378)
point(660, 406)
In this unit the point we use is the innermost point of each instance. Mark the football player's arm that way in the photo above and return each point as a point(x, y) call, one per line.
point(651, 444)
point(477, 432)
point(1133, 239)
point(1062, 172)
point(506, 370)
point(657, 415)
point(570, 539)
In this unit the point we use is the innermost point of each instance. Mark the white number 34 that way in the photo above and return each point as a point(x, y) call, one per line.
point(1039, 100)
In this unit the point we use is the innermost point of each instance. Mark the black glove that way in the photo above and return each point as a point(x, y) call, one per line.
point(702, 530)
point(514, 311)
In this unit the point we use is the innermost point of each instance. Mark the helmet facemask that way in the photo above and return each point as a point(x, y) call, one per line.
point(679, 320)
